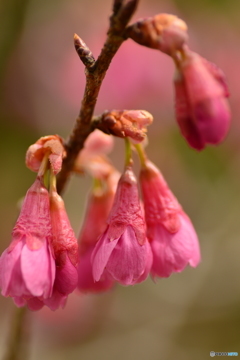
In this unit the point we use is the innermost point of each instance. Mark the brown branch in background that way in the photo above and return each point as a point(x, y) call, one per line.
point(122, 13)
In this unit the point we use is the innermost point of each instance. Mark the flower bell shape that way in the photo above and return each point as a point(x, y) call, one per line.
point(98, 208)
point(27, 265)
point(122, 251)
point(202, 110)
point(65, 249)
point(170, 232)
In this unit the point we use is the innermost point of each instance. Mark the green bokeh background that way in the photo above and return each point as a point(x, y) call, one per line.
point(189, 314)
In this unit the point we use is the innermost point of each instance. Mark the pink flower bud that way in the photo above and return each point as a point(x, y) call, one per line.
point(65, 247)
point(27, 266)
point(165, 32)
point(172, 237)
point(122, 250)
point(201, 108)
point(52, 145)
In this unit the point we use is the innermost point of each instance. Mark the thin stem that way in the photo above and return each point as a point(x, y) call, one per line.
point(142, 155)
point(52, 182)
point(15, 348)
point(44, 165)
point(128, 153)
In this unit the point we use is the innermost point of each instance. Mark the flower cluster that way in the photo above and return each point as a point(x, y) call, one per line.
point(40, 265)
point(124, 236)
point(202, 110)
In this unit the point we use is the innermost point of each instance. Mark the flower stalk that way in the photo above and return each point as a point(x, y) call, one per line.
point(142, 155)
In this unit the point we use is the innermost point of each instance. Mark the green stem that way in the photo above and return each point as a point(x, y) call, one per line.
point(44, 165)
point(97, 184)
point(52, 182)
point(128, 152)
point(15, 350)
point(142, 155)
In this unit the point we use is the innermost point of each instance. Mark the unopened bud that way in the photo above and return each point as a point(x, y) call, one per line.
point(164, 32)
point(126, 123)
point(52, 145)
point(202, 110)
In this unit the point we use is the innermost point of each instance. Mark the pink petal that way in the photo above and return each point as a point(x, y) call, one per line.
point(36, 270)
point(56, 301)
point(172, 252)
point(19, 301)
point(101, 254)
point(213, 119)
point(85, 276)
point(148, 265)
point(128, 259)
point(66, 277)
point(10, 278)
point(35, 304)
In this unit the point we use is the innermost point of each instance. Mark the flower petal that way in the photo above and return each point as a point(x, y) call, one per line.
point(34, 304)
point(10, 275)
point(56, 300)
point(172, 252)
point(66, 278)
point(85, 276)
point(128, 259)
point(101, 254)
point(35, 265)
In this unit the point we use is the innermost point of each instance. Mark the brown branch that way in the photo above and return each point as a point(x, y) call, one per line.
point(94, 77)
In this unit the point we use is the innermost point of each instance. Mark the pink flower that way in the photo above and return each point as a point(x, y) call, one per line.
point(27, 265)
point(98, 208)
point(172, 237)
point(201, 108)
point(123, 250)
point(65, 250)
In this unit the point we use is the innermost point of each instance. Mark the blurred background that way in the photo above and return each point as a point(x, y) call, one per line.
point(42, 81)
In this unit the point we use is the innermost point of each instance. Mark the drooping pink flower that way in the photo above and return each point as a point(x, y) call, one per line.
point(27, 265)
point(202, 110)
point(170, 232)
point(123, 250)
point(65, 249)
point(98, 208)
